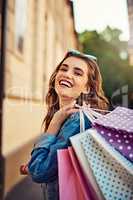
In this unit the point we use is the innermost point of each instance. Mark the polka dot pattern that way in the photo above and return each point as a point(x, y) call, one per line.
point(120, 119)
point(117, 128)
point(120, 141)
point(115, 182)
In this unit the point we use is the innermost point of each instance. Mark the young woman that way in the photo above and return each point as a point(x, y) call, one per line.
point(76, 76)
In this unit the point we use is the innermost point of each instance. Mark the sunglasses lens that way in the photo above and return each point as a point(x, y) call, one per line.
point(77, 53)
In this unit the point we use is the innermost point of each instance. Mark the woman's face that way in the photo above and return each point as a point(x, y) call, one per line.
point(72, 78)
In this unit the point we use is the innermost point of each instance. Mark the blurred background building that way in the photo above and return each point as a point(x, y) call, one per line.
point(130, 43)
point(35, 36)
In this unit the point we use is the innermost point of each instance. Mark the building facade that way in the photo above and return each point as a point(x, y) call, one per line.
point(37, 35)
point(130, 16)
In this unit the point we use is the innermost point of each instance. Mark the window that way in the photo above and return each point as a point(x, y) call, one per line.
point(20, 23)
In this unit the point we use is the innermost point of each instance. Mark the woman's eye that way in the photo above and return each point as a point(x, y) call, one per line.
point(63, 69)
point(78, 73)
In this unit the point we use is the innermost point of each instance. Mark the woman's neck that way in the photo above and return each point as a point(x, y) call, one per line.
point(65, 101)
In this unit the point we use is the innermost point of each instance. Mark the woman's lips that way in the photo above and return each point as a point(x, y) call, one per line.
point(65, 83)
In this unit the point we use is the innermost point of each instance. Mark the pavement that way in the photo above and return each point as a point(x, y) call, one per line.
point(25, 190)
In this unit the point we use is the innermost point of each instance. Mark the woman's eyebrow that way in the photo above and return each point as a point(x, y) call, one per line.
point(76, 68)
point(66, 65)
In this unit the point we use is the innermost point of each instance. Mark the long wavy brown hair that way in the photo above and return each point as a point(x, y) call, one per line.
point(95, 98)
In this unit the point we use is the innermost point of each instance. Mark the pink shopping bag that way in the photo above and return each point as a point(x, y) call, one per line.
point(85, 185)
point(69, 185)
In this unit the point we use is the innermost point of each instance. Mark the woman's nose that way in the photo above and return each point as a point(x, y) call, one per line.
point(68, 74)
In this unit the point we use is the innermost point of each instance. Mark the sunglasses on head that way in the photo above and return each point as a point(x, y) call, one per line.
point(74, 52)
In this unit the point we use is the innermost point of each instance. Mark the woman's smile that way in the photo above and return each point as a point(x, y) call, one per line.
point(65, 83)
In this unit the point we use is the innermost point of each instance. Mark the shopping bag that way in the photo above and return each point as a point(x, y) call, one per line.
point(122, 142)
point(69, 185)
point(85, 166)
point(120, 119)
point(113, 172)
point(80, 176)
point(117, 128)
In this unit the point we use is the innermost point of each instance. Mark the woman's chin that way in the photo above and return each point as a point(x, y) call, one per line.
point(66, 96)
point(70, 95)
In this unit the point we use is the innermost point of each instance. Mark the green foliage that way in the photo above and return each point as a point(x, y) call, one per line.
point(109, 49)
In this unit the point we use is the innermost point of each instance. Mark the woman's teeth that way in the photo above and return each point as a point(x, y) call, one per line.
point(65, 83)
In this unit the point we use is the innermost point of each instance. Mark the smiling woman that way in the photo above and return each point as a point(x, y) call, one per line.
point(71, 80)
point(93, 86)
point(76, 74)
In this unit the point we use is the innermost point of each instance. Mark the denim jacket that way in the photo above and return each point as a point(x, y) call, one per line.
point(43, 166)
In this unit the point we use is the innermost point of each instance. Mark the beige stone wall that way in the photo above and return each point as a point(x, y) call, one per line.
point(21, 68)
point(49, 33)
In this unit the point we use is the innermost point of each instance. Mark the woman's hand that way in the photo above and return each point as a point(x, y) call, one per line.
point(24, 170)
point(60, 116)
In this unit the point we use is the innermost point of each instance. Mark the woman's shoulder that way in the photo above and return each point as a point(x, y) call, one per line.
point(73, 121)
point(75, 117)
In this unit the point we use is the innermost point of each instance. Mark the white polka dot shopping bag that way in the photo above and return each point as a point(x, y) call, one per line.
point(85, 166)
point(113, 172)
point(117, 129)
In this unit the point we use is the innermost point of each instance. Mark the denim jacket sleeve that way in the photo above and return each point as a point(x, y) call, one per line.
point(43, 164)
